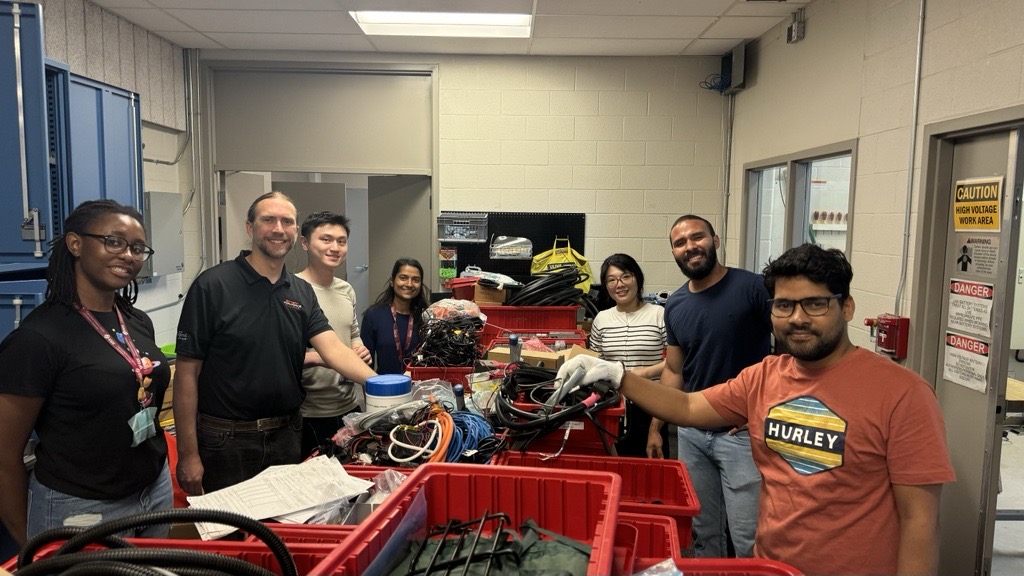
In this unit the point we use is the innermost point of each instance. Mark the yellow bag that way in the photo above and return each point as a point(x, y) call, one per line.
point(559, 258)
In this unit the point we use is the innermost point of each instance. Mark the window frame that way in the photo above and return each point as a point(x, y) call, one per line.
point(798, 179)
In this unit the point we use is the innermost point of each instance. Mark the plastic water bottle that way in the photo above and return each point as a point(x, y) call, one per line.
point(460, 398)
point(515, 349)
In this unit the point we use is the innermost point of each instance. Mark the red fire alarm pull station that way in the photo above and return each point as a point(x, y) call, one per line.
point(891, 334)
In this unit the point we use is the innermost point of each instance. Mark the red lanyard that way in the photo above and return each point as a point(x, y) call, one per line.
point(408, 336)
point(134, 360)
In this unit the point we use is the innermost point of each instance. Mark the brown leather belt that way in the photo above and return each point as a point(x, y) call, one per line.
point(261, 425)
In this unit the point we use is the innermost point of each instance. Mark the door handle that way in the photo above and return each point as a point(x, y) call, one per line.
point(362, 268)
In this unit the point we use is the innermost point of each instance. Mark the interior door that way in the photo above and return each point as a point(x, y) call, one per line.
point(240, 190)
point(400, 226)
point(310, 197)
point(973, 353)
point(358, 211)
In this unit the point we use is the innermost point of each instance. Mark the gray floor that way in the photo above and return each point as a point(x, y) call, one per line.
point(1008, 542)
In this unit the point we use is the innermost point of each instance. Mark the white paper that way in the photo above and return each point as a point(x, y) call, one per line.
point(966, 361)
point(281, 491)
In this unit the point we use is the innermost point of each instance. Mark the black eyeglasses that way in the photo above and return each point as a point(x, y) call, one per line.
point(813, 306)
point(117, 245)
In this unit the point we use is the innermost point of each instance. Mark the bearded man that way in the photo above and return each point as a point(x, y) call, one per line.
point(718, 323)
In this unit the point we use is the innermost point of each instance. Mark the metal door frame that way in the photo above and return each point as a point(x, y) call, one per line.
point(929, 292)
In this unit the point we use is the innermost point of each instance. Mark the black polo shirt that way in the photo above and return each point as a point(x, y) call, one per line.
point(251, 337)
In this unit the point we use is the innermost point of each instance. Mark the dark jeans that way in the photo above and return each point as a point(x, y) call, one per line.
point(636, 426)
point(316, 431)
point(229, 458)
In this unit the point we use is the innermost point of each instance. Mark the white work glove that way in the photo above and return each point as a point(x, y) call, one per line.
point(594, 369)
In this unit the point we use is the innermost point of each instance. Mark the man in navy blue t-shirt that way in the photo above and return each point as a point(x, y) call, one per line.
point(718, 323)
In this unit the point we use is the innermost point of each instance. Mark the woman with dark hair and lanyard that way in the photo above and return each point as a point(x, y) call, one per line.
point(84, 372)
point(390, 327)
point(632, 331)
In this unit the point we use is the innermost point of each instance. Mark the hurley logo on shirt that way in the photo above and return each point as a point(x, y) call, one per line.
point(807, 434)
point(292, 304)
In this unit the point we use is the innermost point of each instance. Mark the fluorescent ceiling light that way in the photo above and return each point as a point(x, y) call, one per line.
point(452, 24)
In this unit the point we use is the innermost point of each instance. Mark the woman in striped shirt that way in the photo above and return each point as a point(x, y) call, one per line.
point(633, 332)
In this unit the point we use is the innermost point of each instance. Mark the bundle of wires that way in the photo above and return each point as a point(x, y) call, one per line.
point(451, 341)
point(560, 402)
point(555, 289)
point(433, 434)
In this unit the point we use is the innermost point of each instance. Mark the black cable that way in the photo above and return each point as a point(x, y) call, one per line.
point(63, 533)
point(451, 341)
point(102, 532)
point(162, 557)
point(535, 383)
point(105, 568)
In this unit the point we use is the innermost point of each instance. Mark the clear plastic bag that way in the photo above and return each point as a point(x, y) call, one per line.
point(511, 248)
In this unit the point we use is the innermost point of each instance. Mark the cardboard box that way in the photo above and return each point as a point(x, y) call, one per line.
point(550, 360)
point(485, 295)
point(166, 413)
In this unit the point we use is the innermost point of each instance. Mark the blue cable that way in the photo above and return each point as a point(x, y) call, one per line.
point(470, 430)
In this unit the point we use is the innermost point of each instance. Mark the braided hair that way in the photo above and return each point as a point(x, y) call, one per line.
point(60, 273)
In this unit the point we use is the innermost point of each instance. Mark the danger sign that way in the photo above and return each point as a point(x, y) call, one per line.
point(976, 204)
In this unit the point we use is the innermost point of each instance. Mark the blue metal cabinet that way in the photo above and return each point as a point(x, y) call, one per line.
point(105, 145)
point(24, 163)
point(17, 299)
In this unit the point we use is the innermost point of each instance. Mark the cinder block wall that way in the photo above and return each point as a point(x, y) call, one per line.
point(631, 142)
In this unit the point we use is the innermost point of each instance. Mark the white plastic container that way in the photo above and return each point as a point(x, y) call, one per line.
point(387, 390)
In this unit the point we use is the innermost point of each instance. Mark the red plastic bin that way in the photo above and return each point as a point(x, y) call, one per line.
point(626, 536)
point(657, 538)
point(307, 556)
point(578, 504)
point(452, 374)
point(504, 319)
point(332, 534)
point(569, 337)
point(734, 567)
point(584, 438)
point(649, 485)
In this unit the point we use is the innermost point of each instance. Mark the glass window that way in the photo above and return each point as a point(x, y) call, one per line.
point(805, 197)
point(771, 214)
point(828, 202)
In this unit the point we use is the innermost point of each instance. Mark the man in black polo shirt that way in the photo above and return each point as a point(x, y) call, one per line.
point(241, 343)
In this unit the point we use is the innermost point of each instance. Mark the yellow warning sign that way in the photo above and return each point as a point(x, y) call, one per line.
point(976, 204)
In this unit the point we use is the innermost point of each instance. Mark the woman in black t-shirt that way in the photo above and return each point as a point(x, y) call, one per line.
point(84, 372)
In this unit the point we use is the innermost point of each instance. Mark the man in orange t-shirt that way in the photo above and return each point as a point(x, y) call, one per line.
point(851, 447)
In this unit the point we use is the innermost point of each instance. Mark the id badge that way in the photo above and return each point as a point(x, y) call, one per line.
point(142, 425)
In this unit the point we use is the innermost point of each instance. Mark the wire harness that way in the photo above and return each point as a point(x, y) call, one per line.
point(559, 402)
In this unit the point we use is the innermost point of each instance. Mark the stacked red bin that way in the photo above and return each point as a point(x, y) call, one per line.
point(580, 498)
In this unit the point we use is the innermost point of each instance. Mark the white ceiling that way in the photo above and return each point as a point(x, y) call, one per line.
point(561, 27)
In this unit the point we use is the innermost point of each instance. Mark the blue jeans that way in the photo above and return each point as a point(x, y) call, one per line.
point(728, 486)
point(229, 458)
point(48, 508)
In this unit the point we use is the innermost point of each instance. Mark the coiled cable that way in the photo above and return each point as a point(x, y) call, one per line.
point(69, 554)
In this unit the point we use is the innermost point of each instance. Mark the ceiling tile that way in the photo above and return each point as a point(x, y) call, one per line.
point(606, 47)
point(109, 4)
point(635, 7)
point(326, 42)
point(649, 27)
point(273, 22)
point(711, 47)
point(290, 5)
point(192, 40)
point(765, 8)
point(433, 45)
point(153, 19)
point(741, 27)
